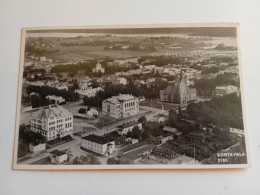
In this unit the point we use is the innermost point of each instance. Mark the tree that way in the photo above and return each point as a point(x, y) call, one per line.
point(136, 132)
point(82, 110)
point(28, 136)
point(142, 119)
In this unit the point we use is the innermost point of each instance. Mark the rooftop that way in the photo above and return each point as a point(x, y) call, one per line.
point(98, 139)
point(134, 123)
point(119, 98)
point(56, 111)
point(58, 152)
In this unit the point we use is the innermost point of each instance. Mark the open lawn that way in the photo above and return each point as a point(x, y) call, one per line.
point(78, 53)
point(159, 105)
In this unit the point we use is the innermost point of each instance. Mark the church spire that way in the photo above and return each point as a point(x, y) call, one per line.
point(181, 74)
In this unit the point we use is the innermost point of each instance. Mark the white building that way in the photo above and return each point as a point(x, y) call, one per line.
point(37, 147)
point(52, 121)
point(225, 90)
point(55, 99)
point(90, 92)
point(119, 80)
point(98, 68)
point(102, 145)
point(43, 59)
point(124, 129)
point(58, 157)
point(84, 84)
point(92, 112)
point(61, 86)
point(123, 105)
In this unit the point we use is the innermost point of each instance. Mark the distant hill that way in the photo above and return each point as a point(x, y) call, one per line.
point(195, 31)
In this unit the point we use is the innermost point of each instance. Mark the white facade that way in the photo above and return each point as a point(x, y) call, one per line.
point(43, 59)
point(56, 99)
point(58, 157)
point(225, 90)
point(124, 129)
point(120, 106)
point(100, 145)
point(91, 92)
point(52, 121)
point(119, 80)
point(37, 148)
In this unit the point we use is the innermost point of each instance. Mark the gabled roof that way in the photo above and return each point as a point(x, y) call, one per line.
point(56, 111)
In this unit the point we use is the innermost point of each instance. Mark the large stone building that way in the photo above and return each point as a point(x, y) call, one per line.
point(120, 106)
point(179, 92)
point(52, 121)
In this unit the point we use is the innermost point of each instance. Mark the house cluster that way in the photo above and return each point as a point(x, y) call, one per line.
point(52, 83)
point(89, 92)
point(123, 63)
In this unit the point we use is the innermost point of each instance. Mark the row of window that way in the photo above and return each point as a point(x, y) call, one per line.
point(52, 123)
point(69, 118)
point(93, 144)
point(67, 125)
point(128, 104)
point(59, 126)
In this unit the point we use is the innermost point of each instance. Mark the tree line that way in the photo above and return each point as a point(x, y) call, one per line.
point(44, 91)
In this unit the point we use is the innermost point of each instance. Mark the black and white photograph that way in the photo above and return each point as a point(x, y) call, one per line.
point(131, 97)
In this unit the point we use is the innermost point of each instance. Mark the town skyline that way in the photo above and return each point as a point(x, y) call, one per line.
point(147, 96)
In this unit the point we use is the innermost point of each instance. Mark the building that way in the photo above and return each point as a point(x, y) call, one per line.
point(119, 80)
point(163, 138)
point(135, 152)
point(124, 129)
point(58, 157)
point(225, 90)
point(84, 84)
point(55, 99)
point(164, 152)
point(90, 92)
point(123, 105)
point(179, 92)
point(43, 59)
point(92, 112)
point(37, 147)
point(101, 145)
point(98, 68)
point(172, 130)
point(52, 121)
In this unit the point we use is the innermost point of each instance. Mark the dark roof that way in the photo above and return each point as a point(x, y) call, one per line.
point(134, 123)
point(134, 146)
point(163, 150)
point(138, 152)
point(57, 152)
point(170, 89)
point(98, 139)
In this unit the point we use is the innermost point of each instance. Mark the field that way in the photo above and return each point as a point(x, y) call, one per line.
point(78, 53)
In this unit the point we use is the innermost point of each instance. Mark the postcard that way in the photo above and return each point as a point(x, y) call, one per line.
point(164, 96)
